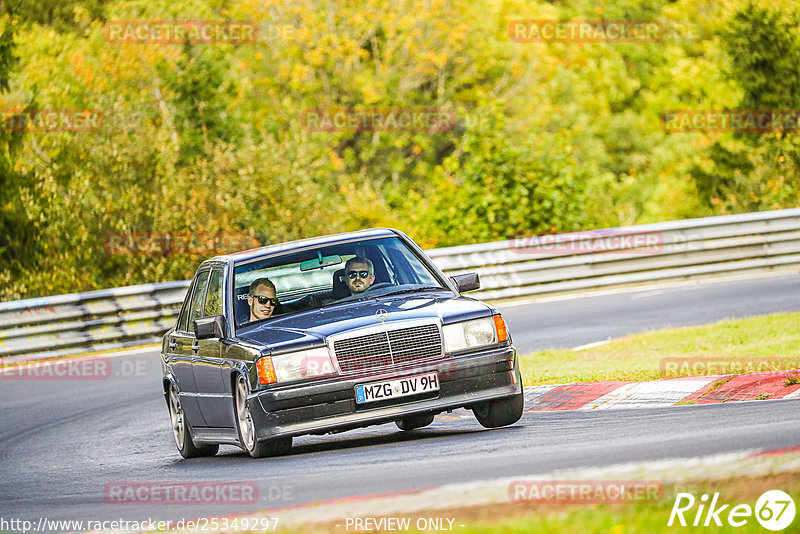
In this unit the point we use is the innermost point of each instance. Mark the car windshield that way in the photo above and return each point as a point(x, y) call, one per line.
point(341, 272)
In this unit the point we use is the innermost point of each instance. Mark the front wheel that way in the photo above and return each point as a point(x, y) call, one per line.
point(499, 412)
point(247, 429)
point(182, 430)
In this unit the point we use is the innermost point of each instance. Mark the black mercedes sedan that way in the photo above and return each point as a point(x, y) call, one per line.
point(329, 334)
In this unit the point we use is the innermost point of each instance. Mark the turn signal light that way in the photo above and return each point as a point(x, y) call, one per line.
point(266, 372)
point(500, 327)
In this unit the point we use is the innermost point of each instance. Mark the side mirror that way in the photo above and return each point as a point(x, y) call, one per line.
point(209, 327)
point(466, 282)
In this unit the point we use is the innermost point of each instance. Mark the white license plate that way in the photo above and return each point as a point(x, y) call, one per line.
point(400, 387)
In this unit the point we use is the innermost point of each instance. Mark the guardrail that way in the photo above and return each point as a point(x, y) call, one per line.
point(675, 250)
point(95, 320)
point(520, 267)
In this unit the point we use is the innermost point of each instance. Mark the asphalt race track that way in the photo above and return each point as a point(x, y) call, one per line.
point(570, 323)
point(63, 441)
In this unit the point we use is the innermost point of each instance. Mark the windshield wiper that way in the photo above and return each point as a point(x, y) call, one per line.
point(399, 292)
point(413, 290)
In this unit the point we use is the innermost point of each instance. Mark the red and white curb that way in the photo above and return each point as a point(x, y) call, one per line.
point(660, 393)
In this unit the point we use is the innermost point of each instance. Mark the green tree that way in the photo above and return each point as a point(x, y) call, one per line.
point(63, 15)
point(200, 95)
point(757, 171)
point(549, 137)
point(17, 245)
point(497, 187)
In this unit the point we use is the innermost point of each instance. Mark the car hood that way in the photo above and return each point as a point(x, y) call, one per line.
point(308, 329)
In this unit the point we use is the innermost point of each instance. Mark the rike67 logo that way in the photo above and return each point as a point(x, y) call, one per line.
point(774, 510)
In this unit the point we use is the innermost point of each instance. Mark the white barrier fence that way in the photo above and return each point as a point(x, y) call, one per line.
point(96, 320)
point(676, 250)
point(525, 266)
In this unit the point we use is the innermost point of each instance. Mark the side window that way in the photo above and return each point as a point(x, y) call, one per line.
point(216, 293)
point(198, 298)
point(182, 318)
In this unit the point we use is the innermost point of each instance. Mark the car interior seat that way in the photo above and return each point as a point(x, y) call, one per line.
point(339, 288)
point(241, 310)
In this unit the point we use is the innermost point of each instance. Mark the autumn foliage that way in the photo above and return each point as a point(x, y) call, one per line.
point(208, 134)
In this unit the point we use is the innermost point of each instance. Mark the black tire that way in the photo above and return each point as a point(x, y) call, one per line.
point(247, 429)
point(182, 430)
point(499, 412)
point(410, 423)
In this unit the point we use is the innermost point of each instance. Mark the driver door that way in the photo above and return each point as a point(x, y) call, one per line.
point(213, 397)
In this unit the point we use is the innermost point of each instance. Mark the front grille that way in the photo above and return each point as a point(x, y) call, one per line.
point(384, 349)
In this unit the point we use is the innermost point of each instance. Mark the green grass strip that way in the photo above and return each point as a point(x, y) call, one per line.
point(763, 343)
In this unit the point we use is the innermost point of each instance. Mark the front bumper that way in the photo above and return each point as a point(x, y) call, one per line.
point(323, 407)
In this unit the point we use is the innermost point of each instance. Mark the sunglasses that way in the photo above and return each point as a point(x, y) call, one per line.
point(352, 274)
point(263, 299)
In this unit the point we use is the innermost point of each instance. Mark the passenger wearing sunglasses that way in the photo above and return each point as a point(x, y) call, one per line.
point(358, 273)
point(261, 299)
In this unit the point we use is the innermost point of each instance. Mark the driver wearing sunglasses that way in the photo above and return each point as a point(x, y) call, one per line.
point(358, 272)
point(261, 299)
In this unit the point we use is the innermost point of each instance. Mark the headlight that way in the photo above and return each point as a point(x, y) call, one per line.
point(303, 364)
point(472, 334)
point(475, 333)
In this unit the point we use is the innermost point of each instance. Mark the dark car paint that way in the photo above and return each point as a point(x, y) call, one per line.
point(300, 410)
point(206, 393)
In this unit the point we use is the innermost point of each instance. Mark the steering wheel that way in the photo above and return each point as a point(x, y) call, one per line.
point(379, 285)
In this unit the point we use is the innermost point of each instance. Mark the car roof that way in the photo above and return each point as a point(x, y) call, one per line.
point(303, 243)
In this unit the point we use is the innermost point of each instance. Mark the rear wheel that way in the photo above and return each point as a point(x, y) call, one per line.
point(410, 423)
point(247, 429)
point(499, 412)
point(182, 430)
